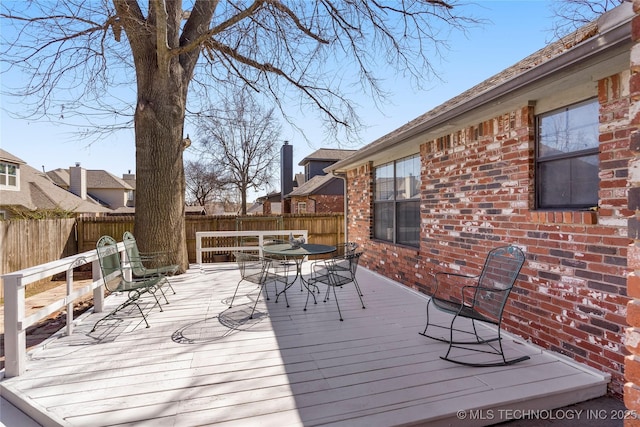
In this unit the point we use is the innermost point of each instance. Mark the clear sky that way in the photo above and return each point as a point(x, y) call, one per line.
point(516, 28)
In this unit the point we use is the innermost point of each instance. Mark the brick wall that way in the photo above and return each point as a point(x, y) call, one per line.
point(632, 341)
point(319, 203)
point(478, 192)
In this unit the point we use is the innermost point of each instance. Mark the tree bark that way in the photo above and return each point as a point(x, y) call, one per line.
point(160, 182)
point(162, 85)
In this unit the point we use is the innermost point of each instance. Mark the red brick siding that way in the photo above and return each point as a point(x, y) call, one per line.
point(478, 192)
point(319, 203)
point(632, 339)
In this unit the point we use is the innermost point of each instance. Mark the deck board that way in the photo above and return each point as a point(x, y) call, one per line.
point(202, 363)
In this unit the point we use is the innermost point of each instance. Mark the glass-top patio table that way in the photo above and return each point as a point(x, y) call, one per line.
point(297, 254)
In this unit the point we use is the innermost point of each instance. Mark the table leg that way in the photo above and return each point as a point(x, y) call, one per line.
point(288, 285)
point(303, 285)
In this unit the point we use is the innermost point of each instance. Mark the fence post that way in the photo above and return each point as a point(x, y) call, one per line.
point(15, 339)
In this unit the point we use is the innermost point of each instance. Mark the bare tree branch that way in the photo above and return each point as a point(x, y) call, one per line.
point(569, 15)
point(245, 138)
point(311, 55)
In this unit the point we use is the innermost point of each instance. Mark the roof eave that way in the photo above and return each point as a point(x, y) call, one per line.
point(610, 38)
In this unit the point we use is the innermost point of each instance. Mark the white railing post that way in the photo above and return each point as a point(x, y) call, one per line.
point(69, 300)
point(198, 248)
point(261, 244)
point(98, 293)
point(15, 338)
point(16, 321)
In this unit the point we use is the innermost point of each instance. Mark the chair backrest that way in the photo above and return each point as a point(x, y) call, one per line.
point(346, 265)
point(109, 259)
point(343, 249)
point(133, 254)
point(353, 258)
point(251, 266)
point(498, 276)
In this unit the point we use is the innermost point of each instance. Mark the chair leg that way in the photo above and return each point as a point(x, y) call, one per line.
point(132, 299)
point(355, 282)
point(326, 295)
point(257, 299)
point(153, 292)
point(360, 295)
point(424, 333)
point(337, 304)
point(234, 294)
point(170, 286)
point(159, 287)
point(307, 301)
point(495, 351)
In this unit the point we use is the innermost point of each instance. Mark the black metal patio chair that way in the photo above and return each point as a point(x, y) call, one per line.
point(280, 265)
point(258, 270)
point(345, 248)
point(137, 259)
point(115, 280)
point(336, 272)
point(482, 298)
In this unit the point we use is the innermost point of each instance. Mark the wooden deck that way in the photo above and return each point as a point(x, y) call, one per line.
point(201, 363)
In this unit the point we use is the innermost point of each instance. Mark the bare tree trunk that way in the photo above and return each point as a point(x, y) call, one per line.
point(243, 200)
point(159, 119)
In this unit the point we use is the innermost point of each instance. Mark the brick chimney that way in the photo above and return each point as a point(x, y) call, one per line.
point(286, 175)
point(78, 181)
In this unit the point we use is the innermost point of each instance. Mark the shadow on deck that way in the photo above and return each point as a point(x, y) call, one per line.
point(201, 363)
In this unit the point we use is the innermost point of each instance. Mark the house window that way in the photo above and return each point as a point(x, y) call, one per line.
point(567, 162)
point(397, 201)
point(8, 175)
point(302, 207)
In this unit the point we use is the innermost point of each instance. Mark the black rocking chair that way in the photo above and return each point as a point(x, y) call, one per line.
point(482, 301)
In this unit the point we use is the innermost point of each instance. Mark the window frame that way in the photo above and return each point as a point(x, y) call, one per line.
point(6, 175)
point(545, 160)
point(394, 205)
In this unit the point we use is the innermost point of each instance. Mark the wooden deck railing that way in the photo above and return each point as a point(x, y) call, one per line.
point(15, 320)
point(241, 240)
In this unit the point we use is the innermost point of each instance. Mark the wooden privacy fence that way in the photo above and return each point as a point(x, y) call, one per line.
point(322, 228)
point(224, 243)
point(26, 243)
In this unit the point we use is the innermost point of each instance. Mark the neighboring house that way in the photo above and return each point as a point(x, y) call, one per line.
point(311, 192)
point(271, 204)
point(256, 208)
point(195, 210)
point(100, 185)
point(315, 163)
point(130, 179)
point(25, 189)
point(321, 192)
point(537, 156)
